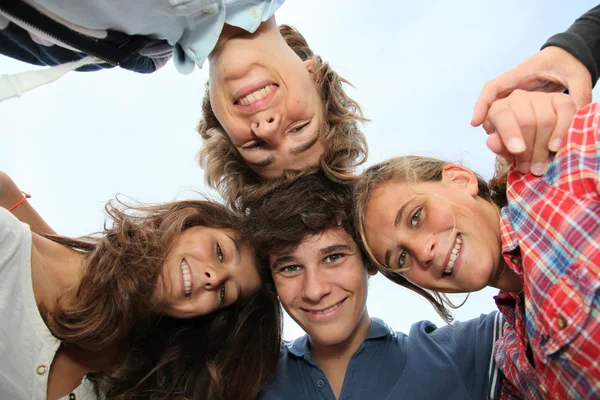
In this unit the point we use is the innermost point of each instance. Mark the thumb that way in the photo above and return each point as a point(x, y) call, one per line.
point(580, 91)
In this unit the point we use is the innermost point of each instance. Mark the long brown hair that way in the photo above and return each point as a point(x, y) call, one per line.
point(414, 169)
point(161, 357)
point(345, 144)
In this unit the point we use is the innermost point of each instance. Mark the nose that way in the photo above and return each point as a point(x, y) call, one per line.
point(315, 286)
point(425, 249)
point(266, 127)
point(212, 278)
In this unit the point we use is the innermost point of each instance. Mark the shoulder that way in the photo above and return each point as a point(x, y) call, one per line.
point(482, 328)
point(11, 229)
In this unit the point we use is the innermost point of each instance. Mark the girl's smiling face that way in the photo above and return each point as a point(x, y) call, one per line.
point(207, 269)
point(439, 235)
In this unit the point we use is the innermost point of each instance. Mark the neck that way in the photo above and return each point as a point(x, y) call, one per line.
point(506, 279)
point(269, 27)
point(56, 272)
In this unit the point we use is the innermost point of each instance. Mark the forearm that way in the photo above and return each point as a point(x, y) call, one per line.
point(582, 40)
point(10, 195)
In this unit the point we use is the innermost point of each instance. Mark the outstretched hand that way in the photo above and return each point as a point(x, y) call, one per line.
point(550, 70)
point(527, 126)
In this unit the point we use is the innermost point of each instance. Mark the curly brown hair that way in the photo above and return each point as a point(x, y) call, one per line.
point(413, 169)
point(309, 205)
point(345, 144)
point(229, 354)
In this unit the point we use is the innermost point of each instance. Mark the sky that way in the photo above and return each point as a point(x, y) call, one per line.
point(417, 69)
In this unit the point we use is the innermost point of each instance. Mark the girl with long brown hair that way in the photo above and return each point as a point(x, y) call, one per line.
point(167, 301)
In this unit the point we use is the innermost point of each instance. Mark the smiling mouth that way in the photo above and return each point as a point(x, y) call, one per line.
point(186, 275)
point(326, 310)
point(453, 256)
point(256, 95)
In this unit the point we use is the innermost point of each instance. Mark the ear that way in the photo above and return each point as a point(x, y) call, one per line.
point(461, 177)
point(309, 64)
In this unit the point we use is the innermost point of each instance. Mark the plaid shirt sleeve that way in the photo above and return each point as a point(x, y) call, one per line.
point(551, 236)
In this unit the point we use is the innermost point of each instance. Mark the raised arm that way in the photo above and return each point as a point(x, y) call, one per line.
point(10, 195)
point(568, 60)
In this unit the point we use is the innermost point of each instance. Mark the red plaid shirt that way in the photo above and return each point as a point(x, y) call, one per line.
point(551, 237)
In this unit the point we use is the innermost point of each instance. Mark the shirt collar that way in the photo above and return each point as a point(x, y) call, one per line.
point(301, 346)
point(507, 233)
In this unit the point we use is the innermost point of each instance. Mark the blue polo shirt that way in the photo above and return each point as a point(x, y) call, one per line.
point(452, 362)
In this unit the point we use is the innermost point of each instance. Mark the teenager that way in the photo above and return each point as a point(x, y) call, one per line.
point(305, 233)
point(436, 227)
point(274, 108)
point(160, 304)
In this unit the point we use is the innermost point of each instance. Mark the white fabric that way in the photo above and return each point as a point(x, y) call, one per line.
point(27, 347)
point(15, 85)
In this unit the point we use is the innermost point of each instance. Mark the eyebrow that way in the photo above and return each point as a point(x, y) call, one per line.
point(335, 247)
point(282, 260)
point(399, 217)
point(267, 161)
point(305, 146)
point(236, 249)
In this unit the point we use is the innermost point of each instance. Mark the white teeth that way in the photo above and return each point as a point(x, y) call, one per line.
point(187, 278)
point(327, 310)
point(454, 255)
point(256, 95)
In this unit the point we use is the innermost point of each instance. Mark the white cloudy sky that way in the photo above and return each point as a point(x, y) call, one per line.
point(417, 68)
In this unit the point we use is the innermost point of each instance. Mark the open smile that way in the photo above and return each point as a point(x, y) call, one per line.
point(186, 279)
point(255, 98)
point(452, 257)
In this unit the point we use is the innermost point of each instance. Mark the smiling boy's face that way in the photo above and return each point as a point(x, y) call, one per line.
point(322, 285)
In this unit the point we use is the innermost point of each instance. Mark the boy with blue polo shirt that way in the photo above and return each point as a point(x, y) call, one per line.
point(306, 234)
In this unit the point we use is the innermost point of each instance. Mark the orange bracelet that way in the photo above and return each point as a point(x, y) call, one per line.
point(18, 203)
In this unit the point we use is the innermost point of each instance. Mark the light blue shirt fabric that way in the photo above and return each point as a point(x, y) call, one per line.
point(191, 26)
point(452, 362)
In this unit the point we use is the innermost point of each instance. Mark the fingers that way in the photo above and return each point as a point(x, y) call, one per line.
point(514, 121)
point(545, 121)
point(565, 109)
point(494, 143)
point(488, 95)
point(580, 90)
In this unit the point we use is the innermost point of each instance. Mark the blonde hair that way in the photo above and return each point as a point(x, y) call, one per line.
point(414, 169)
point(345, 144)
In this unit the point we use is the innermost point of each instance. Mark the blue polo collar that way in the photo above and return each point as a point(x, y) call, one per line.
point(301, 347)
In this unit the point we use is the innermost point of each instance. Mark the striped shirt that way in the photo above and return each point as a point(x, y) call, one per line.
point(551, 237)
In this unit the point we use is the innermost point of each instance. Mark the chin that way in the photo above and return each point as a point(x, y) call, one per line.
point(329, 337)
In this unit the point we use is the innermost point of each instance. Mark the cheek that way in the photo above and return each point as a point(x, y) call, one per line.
point(286, 290)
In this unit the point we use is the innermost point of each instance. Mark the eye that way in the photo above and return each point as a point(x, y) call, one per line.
point(219, 252)
point(290, 269)
point(222, 294)
point(299, 128)
point(414, 220)
point(253, 145)
point(333, 257)
point(402, 258)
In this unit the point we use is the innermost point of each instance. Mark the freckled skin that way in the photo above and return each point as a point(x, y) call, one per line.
point(436, 214)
